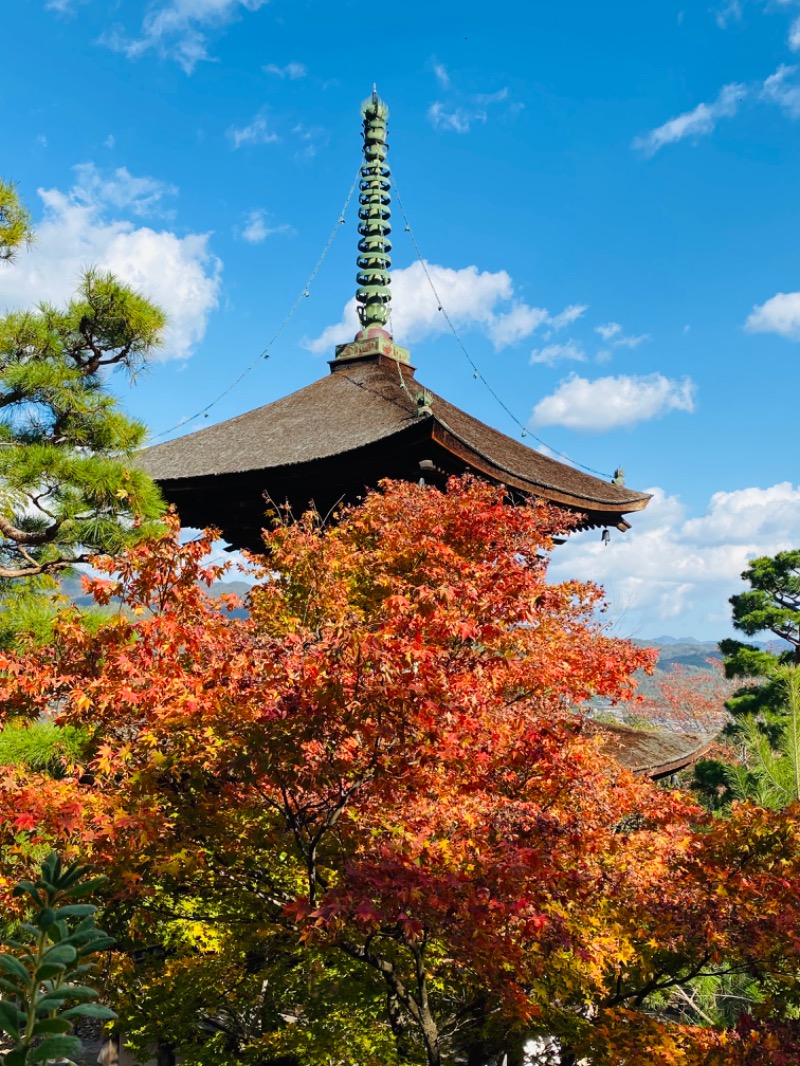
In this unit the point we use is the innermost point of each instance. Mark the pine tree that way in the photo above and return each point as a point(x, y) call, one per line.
point(68, 487)
point(15, 228)
point(772, 605)
point(770, 772)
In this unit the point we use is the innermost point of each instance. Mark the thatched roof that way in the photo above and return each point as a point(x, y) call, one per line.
point(370, 418)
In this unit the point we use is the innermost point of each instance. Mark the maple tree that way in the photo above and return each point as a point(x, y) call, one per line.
point(688, 701)
point(373, 795)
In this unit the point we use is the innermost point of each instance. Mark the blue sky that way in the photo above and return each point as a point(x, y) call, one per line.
point(606, 196)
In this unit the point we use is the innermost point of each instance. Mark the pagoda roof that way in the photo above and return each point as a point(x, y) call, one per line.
point(370, 418)
point(649, 753)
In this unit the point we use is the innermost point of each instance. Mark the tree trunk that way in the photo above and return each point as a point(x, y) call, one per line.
point(165, 1054)
point(109, 1050)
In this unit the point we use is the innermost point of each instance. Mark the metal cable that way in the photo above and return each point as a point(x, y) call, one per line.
point(265, 352)
point(476, 371)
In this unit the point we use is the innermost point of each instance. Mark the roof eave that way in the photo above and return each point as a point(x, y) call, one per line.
point(452, 442)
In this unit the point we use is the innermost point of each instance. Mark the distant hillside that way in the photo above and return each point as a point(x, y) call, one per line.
point(72, 587)
point(690, 654)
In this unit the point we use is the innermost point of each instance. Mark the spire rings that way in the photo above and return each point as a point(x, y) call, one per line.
point(374, 260)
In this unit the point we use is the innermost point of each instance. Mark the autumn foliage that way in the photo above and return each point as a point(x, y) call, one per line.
point(381, 774)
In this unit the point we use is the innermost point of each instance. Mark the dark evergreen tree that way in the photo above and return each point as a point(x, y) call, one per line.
point(770, 605)
point(68, 486)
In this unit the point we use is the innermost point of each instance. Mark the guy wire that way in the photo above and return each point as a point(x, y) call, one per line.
point(525, 432)
point(265, 352)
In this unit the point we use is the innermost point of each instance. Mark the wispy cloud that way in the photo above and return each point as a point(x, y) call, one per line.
point(311, 138)
point(557, 353)
point(779, 89)
point(611, 329)
point(256, 132)
point(612, 334)
point(462, 111)
point(440, 72)
point(569, 315)
point(292, 71)
point(731, 11)
point(458, 119)
point(485, 99)
point(179, 29)
point(794, 35)
point(63, 7)
point(121, 189)
point(256, 229)
point(698, 122)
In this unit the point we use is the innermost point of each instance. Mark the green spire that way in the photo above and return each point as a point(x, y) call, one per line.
point(374, 298)
point(374, 248)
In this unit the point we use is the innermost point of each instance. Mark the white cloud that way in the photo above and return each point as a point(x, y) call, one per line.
point(794, 35)
point(555, 353)
point(109, 142)
point(63, 7)
point(607, 403)
point(473, 299)
point(567, 316)
point(470, 296)
point(612, 334)
point(731, 11)
point(120, 189)
point(458, 119)
point(695, 123)
point(178, 273)
point(256, 229)
point(631, 342)
point(440, 71)
point(609, 330)
point(516, 324)
point(676, 572)
point(257, 132)
point(292, 71)
point(781, 314)
point(179, 29)
point(461, 117)
point(485, 99)
point(311, 138)
point(778, 89)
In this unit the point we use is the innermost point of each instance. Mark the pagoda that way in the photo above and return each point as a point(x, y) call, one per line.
point(369, 419)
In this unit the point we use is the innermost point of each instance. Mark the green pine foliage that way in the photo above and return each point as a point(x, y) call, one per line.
point(42, 747)
point(15, 223)
point(68, 486)
point(769, 774)
point(770, 605)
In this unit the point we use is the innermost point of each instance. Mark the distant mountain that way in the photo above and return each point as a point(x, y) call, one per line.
point(690, 654)
point(675, 640)
point(72, 586)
